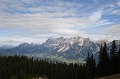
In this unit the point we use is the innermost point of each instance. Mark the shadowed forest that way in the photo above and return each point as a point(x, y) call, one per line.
point(22, 67)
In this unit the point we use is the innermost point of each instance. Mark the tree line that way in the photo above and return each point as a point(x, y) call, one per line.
point(109, 62)
point(20, 67)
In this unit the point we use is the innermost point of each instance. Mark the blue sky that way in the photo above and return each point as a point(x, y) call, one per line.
point(37, 20)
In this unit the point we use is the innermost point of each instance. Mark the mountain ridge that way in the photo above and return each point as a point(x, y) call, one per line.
point(73, 48)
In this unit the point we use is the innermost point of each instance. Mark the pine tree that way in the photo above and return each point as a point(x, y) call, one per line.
point(113, 51)
point(88, 68)
point(91, 67)
point(118, 60)
point(103, 64)
point(113, 58)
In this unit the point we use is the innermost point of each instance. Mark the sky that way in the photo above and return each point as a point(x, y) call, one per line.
point(37, 20)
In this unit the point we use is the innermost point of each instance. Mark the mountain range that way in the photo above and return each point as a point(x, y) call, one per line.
point(72, 49)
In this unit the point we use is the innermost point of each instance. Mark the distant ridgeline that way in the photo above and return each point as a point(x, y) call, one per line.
point(22, 67)
point(69, 50)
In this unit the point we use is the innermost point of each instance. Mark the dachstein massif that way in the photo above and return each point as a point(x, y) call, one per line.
point(72, 49)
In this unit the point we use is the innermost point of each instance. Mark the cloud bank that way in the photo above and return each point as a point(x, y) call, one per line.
point(47, 18)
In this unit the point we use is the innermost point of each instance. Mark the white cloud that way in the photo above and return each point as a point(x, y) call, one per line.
point(47, 23)
point(113, 31)
point(56, 17)
point(19, 40)
point(117, 12)
point(37, 23)
point(103, 23)
point(96, 16)
point(118, 3)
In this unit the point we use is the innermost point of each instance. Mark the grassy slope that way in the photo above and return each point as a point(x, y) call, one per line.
point(111, 77)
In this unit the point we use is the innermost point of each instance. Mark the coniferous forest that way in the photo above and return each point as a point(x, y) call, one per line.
point(22, 67)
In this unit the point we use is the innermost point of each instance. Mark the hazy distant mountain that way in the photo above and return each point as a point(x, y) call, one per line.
point(64, 49)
